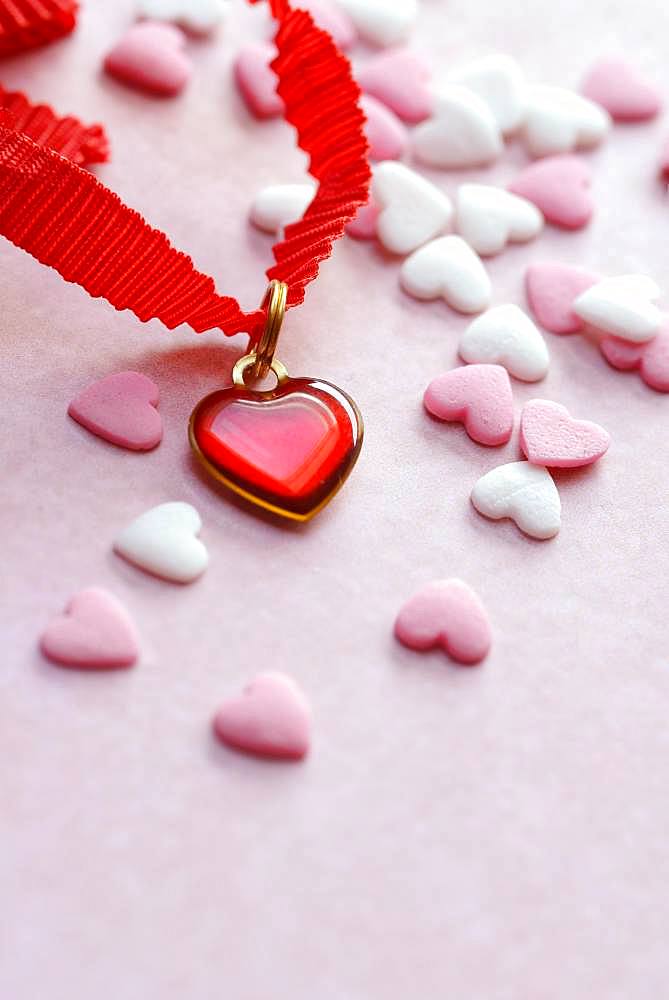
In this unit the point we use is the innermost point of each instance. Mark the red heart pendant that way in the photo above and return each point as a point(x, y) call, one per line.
point(287, 449)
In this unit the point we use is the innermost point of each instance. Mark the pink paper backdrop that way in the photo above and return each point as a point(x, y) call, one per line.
point(497, 833)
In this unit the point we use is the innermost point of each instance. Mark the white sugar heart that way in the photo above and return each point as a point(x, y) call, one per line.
point(448, 268)
point(280, 204)
point(199, 16)
point(413, 210)
point(488, 218)
point(163, 541)
point(506, 336)
point(462, 131)
point(523, 492)
point(559, 121)
point(380, 22)
point(499, 81)
point(622, 306)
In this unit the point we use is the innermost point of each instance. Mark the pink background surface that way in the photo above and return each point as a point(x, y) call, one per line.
point(492, 833)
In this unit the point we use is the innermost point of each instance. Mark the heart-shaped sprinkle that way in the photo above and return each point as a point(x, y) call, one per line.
point(121, 408)
point(163, 542)
point(479, 396)
point(278, 205)
point(550, 436)
point(386, 135)
point(560, 188)
point(620, 88)
point(551, 292)
point(257, 81)
point(332, 19)
point(95, 631)
point(271, 718)
point(499, 80)
point(560, 121)
point(446, 613)
point(448, 268)
point(489, 217)
point(523, 492)
point(151, 56)
point(382, 23)
point(197, 16)
point(505, 335)
point(623, 307)
point(413, 210)
point(401, 80)
point(650, 359)
point(462, 131)
point(363, 227)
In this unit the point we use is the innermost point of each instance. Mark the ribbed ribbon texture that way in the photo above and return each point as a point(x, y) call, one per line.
point(68, 220)
point(25, 24)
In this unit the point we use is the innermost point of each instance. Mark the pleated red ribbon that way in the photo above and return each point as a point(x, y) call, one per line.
point(68, 220)
point(25, 24)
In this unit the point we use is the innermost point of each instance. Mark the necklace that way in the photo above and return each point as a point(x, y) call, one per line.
point(287, 449)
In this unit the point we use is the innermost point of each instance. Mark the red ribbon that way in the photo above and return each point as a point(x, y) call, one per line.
point(68, 220)
point(25, 24)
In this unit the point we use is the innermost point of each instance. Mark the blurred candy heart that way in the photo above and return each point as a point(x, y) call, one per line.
point(479, 396)
point(278, 205)
point(151, 56)
point(550, 436)
point(448, 268)
point(650, 359)
point(489, 217)
point(551, 292)
point(524, 493)
point(386, 135)
point(95, 631)
point(197, 16)
point(400, 79)
point(257, 81)
point(462, 131)
point(559, 121)
point(449, 614)
point(620, 88)
point(413, 210)
point(506, 336)
point(622, 306)
point(500, 82)
point(271, 718)
point(163, 541)
point(332, 19)
point(380, 22)
point(121, 408)
point(560, 188)
point(363, 227)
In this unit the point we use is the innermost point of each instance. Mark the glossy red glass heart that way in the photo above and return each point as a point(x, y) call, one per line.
point(288, 449)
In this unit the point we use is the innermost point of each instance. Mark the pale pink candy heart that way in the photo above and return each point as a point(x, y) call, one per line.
point(650, 359)
point(271, 718)
point(399, 79)
point(664, 164)
point(551, 291)
point(333, 20)
point(449, 614)
point(151, 56)
point(619, 87)
point(550, 436)
point(121, 408)
point(479, 396)
point(363, 227)
point(257, 80)
point(560, 188)
point(386, 135)
point(95, 631)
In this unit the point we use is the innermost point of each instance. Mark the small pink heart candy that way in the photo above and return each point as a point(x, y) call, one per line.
point(94, 631)
point(449, 614)
point(399, 79)
point(480, 396)
point(151, 56)
point(257, 80)
point(560, 188)
point(664, 164)
point(550, 436)
point(386, 135)
point(121, 408)
point(363, 227)
point(333, 20)
point(271, 718)
point(619, 87)
point(651, 358)
point(551, 291)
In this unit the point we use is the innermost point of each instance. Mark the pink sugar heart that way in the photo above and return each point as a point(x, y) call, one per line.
point(257, 81)
point(94, 631)
point(151, 56)
point(363, 227)
point(271, 718)
point(664, 164)
point(386, 134)
point(551, 291)
point(121, 408)
point(619, 87)
point(550, 436)
point(399, 79)
point(560, 188)
point(333, 20)
point(449, 614)
point(478, 395)
point(651, 359)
